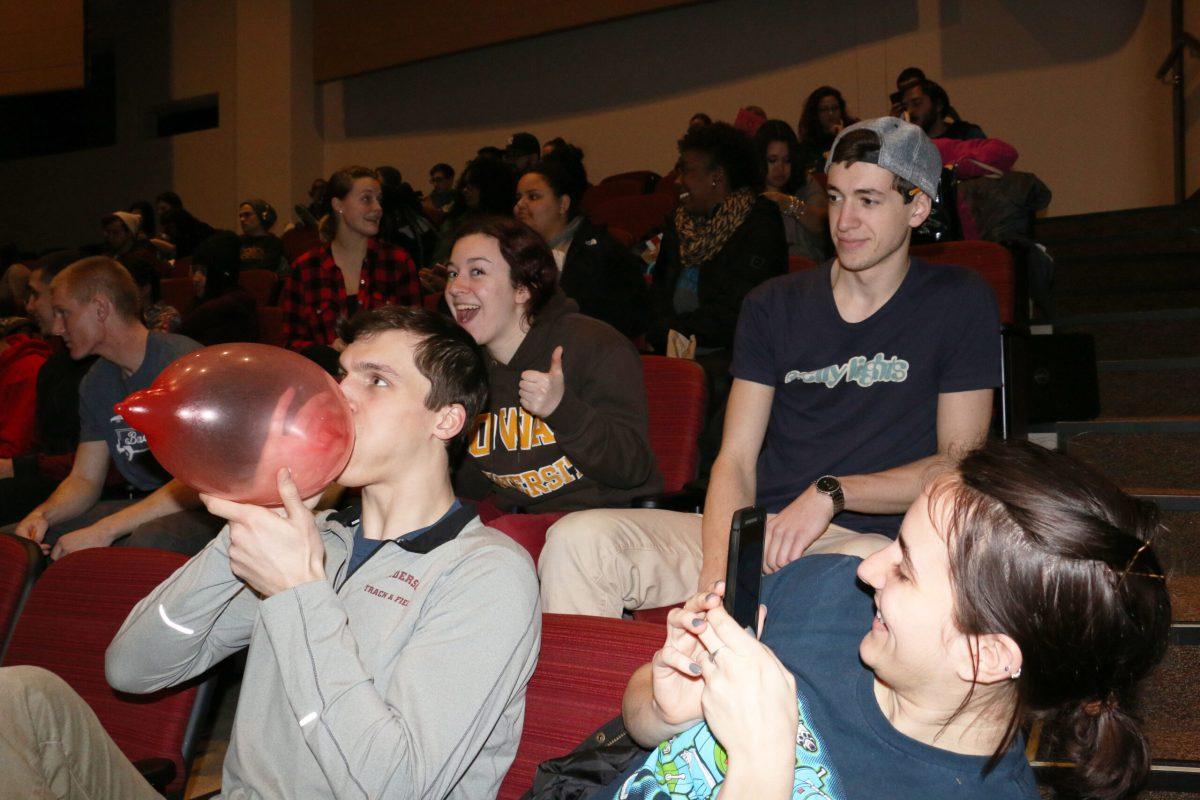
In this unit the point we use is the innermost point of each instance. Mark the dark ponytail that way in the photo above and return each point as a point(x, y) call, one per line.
point(1049, 553)
point(1106, 744)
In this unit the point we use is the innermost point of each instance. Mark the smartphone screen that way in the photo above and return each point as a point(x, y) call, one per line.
point(743, 571)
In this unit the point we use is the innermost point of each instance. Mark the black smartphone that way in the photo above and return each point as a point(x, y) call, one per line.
point(743, 570)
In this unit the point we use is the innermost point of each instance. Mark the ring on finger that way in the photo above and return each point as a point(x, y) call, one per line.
point(713, 655)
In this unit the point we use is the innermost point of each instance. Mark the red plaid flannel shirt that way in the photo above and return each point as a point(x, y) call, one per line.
point(314, 296)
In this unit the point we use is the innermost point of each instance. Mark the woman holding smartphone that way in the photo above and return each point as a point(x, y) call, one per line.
point(919, 687)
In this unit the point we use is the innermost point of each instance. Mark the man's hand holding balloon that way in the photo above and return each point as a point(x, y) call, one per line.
point(273, 550)
point(541, 392)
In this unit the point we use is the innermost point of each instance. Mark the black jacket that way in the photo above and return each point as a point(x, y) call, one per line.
point(605, 279)
point(756, 251)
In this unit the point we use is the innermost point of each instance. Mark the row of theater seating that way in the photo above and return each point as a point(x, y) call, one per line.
point(63, 618)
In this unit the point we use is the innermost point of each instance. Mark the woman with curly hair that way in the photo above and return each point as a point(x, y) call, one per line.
point(722, 241)
point(801, 198)
point(823, 118)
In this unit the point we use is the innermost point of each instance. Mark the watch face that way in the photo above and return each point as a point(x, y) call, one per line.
point(828, 485)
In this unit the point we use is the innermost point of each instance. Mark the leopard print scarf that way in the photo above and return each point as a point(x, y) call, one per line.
point(701, 238)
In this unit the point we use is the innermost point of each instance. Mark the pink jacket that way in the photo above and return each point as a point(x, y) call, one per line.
point(961, 154)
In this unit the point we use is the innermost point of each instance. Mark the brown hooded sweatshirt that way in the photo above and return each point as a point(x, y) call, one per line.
point(593, 451)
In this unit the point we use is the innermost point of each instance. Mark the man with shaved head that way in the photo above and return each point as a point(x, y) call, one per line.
point(96, 309)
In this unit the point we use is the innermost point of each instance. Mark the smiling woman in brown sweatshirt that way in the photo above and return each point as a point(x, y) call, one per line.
point(565, 428)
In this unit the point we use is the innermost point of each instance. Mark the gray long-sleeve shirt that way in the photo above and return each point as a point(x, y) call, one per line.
point(404, 680)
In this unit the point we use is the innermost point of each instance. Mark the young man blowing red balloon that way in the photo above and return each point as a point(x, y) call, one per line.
point(389, 644)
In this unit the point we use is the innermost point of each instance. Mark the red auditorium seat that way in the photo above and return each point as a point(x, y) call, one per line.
point(649, 179)
point(270, 325)
point(623, 236)
point(797, 263)
point(604, 192)
point(641, 215)
point(668, 184)
point(182, 268)
point(676, 396)
point(177, 292)
point(71, 616)
point(298, 241)
point(581, 673)
point(991, 260)
point(20, 563)
point(995, 263)
point(260, 283)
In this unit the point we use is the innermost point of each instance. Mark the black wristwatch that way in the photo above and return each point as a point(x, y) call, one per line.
point(829, 485)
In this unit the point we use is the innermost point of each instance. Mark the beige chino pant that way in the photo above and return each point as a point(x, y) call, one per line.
point(603, 561)
point(53, 746)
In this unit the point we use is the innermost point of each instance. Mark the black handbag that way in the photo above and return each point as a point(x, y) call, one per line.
point(599, 760)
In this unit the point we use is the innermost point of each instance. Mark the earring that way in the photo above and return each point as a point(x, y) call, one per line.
point(1014, 675)
point(714, 183)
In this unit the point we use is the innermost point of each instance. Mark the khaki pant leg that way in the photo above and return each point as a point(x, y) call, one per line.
point(602, 561)
point(53, 746)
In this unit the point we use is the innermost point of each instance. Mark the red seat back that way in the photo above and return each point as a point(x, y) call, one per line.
point(991, 260)
point(608, 190)
point(797, 263)
point(676, 395)
point(71, 616)
point(623, 236)
point(260, 283)
point(181, 268)
point(582, 670)
point(648, 178)
point(270, 325)
point(298, 241)
point(639, 214)
point(527, 530)
point(668, 184)
point(20, 563)
point(178, 292)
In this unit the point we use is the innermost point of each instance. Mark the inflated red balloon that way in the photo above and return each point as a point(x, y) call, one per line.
point(225, 419)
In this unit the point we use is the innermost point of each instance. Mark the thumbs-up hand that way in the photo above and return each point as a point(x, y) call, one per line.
point(541, 392)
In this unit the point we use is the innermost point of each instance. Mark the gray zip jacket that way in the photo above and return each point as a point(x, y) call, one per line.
point(404, 680)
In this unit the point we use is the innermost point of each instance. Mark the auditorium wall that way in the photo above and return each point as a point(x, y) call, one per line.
point(1069, 83)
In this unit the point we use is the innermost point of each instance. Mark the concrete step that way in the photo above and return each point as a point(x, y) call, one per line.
point(1131, 273)
point(1169, 333)
point(1150, 388)
point(1156, 452)
point(1073, 304)
point(1174, 221)
point(1169, 707)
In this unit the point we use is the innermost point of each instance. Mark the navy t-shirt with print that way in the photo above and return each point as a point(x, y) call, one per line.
point(105, 385)
point(855, 398)
point(845, 747)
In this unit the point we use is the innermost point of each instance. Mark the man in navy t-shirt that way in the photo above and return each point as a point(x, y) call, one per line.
point(850, 380)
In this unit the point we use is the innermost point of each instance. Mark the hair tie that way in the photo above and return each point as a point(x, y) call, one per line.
point(1095, 708)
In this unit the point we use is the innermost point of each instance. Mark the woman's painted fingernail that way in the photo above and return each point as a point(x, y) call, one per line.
point(697, 622)
point(710, 597)
point(694, 669)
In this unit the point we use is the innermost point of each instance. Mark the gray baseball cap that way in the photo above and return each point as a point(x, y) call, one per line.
point(904, 150)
